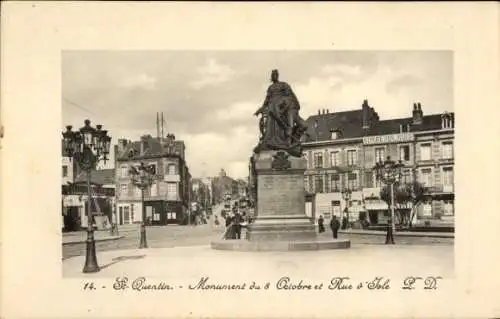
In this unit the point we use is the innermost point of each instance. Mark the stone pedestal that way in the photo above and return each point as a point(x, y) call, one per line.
point(280, 214)
point(281, 223)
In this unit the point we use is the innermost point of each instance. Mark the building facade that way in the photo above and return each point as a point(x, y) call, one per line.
point(224, 185)
point(342, 148)
point(167, 201)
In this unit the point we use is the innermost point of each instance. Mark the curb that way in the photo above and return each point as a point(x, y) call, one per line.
point(79, 241)
point(400, 234)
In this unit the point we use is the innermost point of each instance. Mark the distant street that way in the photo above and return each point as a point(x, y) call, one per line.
point(174, 235)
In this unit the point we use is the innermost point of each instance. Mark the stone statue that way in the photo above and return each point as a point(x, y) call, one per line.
point(281, 126)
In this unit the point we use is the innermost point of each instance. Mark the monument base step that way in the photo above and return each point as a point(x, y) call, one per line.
point(299, 245)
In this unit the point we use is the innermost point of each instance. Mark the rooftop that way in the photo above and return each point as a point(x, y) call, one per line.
point(349, 124)
point(149, 147)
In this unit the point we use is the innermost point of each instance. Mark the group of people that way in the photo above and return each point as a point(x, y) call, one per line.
point(234, 224)
point(334, 225)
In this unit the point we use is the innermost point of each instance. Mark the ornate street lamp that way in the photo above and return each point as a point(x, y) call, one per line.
point(346, 195)
point(88, 146)
point(389, 172)
point(142, 177)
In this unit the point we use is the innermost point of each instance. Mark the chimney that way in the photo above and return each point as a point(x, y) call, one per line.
point(418, 115)
point(319, 112)
point(365, 108)
point(327, 111)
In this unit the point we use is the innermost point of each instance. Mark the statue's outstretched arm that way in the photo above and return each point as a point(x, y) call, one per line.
point(264, 105)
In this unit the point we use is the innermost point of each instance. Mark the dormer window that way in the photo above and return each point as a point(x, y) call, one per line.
point(335, 134)
point(447, 121)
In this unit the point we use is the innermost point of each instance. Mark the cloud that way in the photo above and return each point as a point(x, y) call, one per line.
point(142, 81)
point(237, 111)
point(405, 81)
point(212, 74)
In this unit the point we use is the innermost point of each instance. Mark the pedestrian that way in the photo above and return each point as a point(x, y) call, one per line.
point(237, 220)
point(344, 222)
point(216, 221)
point(321, 226)
point(335, 225)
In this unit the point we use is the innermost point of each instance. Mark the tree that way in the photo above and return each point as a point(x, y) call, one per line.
point(412, 192)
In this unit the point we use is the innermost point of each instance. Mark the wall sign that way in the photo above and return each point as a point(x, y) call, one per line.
point(388, 139)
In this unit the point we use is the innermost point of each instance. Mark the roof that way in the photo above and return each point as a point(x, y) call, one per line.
point(349, 123)
point(153, 147)
point(99, 177)
point(429, 123)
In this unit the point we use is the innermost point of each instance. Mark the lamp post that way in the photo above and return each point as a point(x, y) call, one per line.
point(389, 172)
point(88, 146)
point(142, 177)
point(346, 195)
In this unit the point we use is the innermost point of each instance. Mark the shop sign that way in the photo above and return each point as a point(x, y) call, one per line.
point(388, 139)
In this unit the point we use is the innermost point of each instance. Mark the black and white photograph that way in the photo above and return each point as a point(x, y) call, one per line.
point(249, 160)
point(201, 155)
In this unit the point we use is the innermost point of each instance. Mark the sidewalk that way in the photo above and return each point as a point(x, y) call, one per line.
point(397, 233)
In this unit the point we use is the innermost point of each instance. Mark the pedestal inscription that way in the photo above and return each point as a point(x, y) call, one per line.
point(281, 194)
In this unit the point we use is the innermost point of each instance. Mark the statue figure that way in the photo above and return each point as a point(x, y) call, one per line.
point(281, 126)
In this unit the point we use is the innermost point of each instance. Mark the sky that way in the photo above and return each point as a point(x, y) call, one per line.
point(208, 97)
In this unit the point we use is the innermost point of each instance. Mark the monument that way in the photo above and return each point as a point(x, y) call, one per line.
point(277, 180)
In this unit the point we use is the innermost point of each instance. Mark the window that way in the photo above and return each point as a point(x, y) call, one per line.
point(154, 189)
point(446, 121)
point(448, 176)
point(379, 154)
point(335, 183)
point(126, 214)
point(123, 170)
point(404, 153)
point(447, 150)
point(368, 179)
point(426, 177)
point(132, 212)
point(352, 157)
point(334, 135)
point(156, 217)
point(426, 209)
point(124, 189)
point(406, 176)
point(318, 160)
point(318, 184)
point(306, 183)
point(138, 192)
point(172, 169)
point(305, 156)
point(334, 159)
point(425, 152)
point(448, 208)
point(65, 170)
point(171, 215)
point(171, 191)
point(352, 181)
point(378, 182)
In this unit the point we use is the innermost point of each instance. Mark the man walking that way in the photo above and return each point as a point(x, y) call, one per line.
point(335, 225)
